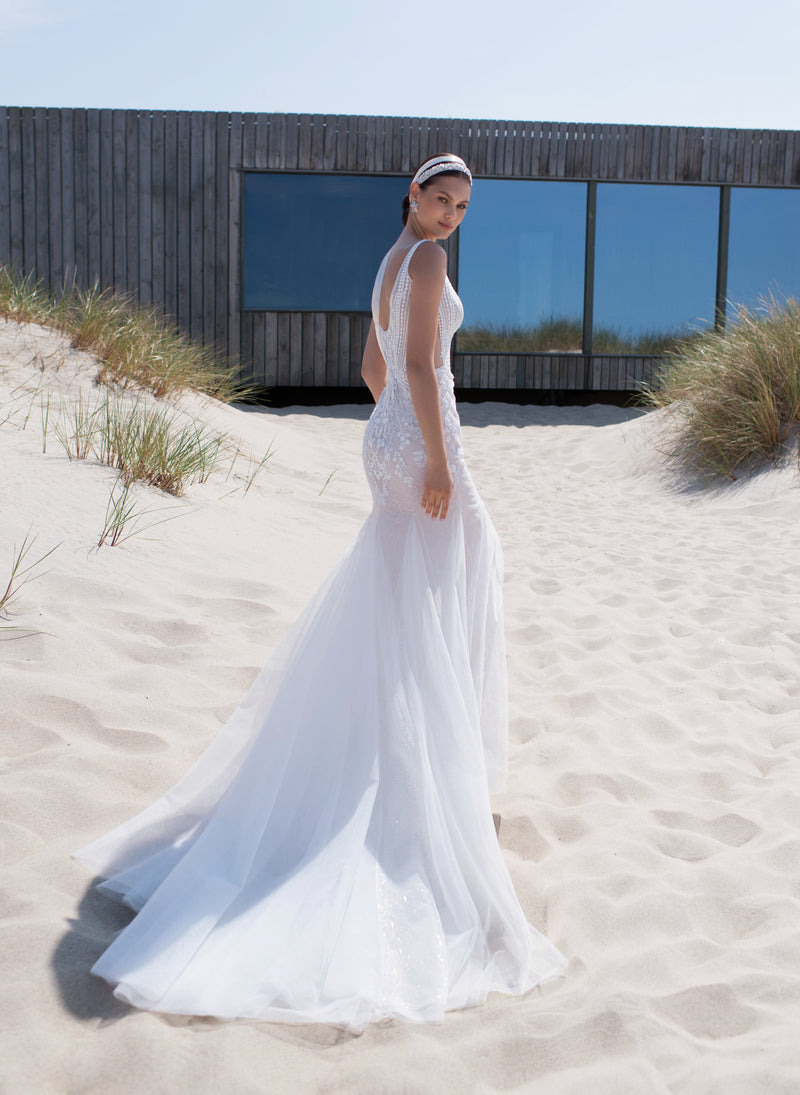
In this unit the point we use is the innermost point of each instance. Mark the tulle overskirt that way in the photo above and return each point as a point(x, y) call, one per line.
point(331, 856)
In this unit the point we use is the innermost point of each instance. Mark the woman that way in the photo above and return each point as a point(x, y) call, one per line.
point(331, 857)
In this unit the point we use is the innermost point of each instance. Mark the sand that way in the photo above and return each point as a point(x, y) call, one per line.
point(652, 820)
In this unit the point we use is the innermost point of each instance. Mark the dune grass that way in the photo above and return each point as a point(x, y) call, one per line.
point(735, 394)
point(20, 574)
point(125, 517)
point(136, 347)
point(23, 298)
point(146, 444)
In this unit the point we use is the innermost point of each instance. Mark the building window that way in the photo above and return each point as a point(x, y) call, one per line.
point(764, 244)
point(521, 266)
point(314, 242)
point(655, 265)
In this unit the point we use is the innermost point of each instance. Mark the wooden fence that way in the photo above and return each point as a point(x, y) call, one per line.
point(151, 202)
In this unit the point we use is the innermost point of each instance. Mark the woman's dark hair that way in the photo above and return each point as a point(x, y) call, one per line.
point(422, 186)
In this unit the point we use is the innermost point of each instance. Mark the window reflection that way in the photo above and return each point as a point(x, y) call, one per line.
point(655, 265)
point(314, 242)
point(764, 244)
point(520, 266)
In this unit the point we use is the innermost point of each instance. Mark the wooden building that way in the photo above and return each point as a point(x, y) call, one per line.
point(153, 203)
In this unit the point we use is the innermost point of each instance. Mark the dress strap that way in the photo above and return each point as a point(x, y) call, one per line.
point(407, 260)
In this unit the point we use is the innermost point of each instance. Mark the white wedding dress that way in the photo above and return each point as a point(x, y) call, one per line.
point(332, 857)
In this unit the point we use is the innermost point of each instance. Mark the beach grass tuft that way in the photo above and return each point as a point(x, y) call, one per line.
point(20, 574)
point(124, 516)
point(146, 444)
point(734, 394)
point(24, 299)
point(137, 347)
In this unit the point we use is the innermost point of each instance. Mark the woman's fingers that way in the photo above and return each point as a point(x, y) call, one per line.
point(435, 504)
point(437, 490)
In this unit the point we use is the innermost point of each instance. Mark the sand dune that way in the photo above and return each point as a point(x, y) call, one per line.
point(652, 820)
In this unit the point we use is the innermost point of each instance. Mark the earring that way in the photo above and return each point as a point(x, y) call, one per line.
point(415, 207)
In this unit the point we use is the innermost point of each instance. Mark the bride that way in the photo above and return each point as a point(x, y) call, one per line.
point(331, 857)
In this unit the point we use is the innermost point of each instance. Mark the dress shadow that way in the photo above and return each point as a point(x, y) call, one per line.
point(98, 920)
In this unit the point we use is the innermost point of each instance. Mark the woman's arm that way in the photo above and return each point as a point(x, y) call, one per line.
point(428, 269)
point(373, 367)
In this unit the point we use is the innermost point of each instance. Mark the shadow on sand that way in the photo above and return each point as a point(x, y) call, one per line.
point(99, 919)
point(84, 996)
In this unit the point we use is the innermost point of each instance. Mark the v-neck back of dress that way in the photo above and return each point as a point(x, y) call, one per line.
point(393, 339)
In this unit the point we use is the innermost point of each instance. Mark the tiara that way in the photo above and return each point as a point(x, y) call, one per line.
point(438, 164)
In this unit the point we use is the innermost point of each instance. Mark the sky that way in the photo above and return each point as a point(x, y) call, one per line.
point(728, 63)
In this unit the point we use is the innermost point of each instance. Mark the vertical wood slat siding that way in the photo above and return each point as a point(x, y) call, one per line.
point(151, 202)
point(16, 254)
point(28, 159)
point(80, 167)
point(42, 192)
point(246, 347)
point(157, 213)
point(307, 349)
point(208, 294)
point(171, 213)
point(259, 344)
point(261, 136)
point(131, 201)
point(5, 188)
point(145, 241)
point(276, 140)
point(290, 367)
point(291, 153)
point(119, 194)
point(184, 220)
point(62, 197)
point(233, 346)
point(196, 195)
point(219, 334)
point(106, 144)
point(551, 371)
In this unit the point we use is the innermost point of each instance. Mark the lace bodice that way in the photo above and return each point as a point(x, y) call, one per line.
point(393, 340)
point(394, 450)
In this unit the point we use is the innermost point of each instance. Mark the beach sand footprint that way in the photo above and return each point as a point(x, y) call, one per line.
point(709, 1011)
point(731, 829)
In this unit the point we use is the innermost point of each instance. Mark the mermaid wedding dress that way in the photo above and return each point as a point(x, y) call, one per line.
point(331, 857)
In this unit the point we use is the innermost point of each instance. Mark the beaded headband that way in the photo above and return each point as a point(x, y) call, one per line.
point(438, 164)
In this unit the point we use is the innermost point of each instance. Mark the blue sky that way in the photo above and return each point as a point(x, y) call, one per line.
point(686, 62)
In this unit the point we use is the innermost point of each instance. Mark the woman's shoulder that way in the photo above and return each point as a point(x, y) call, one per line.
point(429, 260)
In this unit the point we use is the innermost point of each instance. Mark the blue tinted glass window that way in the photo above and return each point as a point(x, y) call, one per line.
point(314, 242)
point(655, 264)
point(764, 244)
point(520, 266)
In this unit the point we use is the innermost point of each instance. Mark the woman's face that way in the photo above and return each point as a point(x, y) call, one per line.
point(442, 205)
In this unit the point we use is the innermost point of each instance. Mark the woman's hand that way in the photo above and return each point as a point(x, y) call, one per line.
point(437, 490)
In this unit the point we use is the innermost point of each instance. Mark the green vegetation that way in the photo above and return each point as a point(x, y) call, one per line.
point(563, 334)
point(137, 347)
point(124, 516)
point(559, 333)
point(735, 394)
point(139, 350)
point(20, 574)
point(145, 444)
